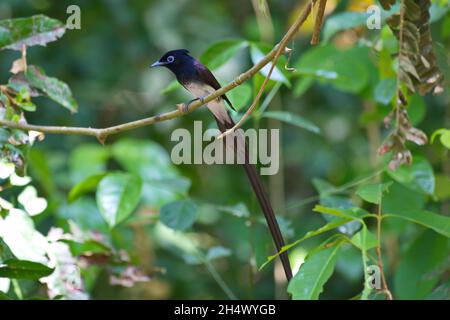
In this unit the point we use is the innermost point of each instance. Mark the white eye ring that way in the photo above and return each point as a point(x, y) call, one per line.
point(170, 59)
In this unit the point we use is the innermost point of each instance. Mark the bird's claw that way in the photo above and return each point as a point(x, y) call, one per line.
point(185, 106)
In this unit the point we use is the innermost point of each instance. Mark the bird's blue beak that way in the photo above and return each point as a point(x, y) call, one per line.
point(158, 64)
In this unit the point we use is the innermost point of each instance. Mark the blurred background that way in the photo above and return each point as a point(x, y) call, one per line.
point(335, 142)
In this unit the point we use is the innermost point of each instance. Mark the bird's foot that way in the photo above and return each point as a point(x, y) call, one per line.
point(184, 108)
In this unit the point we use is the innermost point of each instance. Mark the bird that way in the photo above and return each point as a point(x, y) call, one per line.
point(200, 82)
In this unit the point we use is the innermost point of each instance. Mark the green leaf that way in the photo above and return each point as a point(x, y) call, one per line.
point(371, 240)
point(4, 296)
point(418, 176)
point(240, 95)
point(151, 162)
point(35, 30)
point(85, 186)
point(257, 55)
point(87, 160)
point(444, 137)
point(385, 90)
point(55, 89)
point(347, 70)
point(416, 109)
point(117, 196)
point(327, 227)
point(293, 119)
point(373, 192)
point(220, 52)
point(412, 278)
point(302, 85)
point(88, 247)
point(442, 190)
point(308, 283)
point(401, 199)
point(22, 269)
point(179, 215)
point(434, 221)
point(343, 21)
point(352, 213)
point(18, 232)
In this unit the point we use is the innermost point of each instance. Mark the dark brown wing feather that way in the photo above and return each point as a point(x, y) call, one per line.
point(208, 77)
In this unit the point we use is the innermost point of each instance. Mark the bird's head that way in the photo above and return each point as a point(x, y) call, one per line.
point(173, 59)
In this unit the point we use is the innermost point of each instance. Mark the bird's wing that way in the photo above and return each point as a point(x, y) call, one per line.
point(207, 77)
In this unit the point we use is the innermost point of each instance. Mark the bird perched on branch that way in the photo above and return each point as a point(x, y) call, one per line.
point(199, 80)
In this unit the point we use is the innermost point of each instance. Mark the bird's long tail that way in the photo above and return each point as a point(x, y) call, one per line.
point(252, 174)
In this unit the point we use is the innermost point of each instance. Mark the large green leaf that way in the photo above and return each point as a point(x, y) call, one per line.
point(23, 240)
point(117, 196)
point(151, 162)
point(179, 215)
point(35, 30)
point(415, 276)
point(348, 70)
point(22, 269)
point(293, 119)
point(308, 283)
point(418, 176)
point(52, 87)
point(220, 52)
point(437, 222)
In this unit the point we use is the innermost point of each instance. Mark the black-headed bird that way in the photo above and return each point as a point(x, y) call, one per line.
point(199, 80)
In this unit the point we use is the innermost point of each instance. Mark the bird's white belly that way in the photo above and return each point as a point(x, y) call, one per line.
point(217, 106)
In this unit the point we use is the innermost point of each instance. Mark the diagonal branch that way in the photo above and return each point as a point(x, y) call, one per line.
point(280, 48)
point(102, 133)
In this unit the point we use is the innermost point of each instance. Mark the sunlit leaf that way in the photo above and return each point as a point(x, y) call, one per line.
point(31, 202)
point(257, 55)
point(35, 30)
point(308, 283)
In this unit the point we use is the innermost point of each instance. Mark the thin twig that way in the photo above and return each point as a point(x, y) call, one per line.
point(385, 288)
point(319, 21)
point(279, 49)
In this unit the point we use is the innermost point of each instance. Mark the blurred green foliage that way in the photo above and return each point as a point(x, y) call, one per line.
point(120, 220)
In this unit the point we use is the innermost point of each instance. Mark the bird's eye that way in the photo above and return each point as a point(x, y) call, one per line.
point(170, 59)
